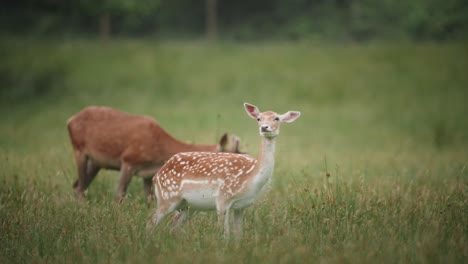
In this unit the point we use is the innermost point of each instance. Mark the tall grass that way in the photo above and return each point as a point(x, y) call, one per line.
point(375, 170)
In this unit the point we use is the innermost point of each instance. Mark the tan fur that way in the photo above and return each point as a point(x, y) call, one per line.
point(103, 137)
point(221, 181)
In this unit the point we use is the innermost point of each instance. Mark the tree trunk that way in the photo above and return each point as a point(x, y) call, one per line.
point(105, 26)
point(211, 20)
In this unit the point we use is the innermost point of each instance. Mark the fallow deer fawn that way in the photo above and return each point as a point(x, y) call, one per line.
point(103, 137)
point(218, 181)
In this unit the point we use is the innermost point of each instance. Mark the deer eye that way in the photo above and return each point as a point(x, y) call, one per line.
point(258, 119)
point(276, 118)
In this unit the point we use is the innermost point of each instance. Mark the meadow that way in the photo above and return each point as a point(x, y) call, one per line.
point(374, 170)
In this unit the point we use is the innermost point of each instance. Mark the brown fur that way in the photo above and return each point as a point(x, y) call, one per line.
point(106, 138)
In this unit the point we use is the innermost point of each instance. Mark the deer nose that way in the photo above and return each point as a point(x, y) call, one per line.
point(265, 128)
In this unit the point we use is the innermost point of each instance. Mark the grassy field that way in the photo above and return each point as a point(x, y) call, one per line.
point(386, 122)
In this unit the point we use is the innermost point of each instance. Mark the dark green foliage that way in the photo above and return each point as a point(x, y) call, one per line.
point(354, 20)
point(27, 75)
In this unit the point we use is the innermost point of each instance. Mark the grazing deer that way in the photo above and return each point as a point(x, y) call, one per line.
point(105, 138)
point(218, 181)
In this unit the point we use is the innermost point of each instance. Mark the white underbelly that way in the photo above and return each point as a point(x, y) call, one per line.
point(201, 198)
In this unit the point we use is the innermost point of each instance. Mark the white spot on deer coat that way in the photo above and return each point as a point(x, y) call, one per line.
point(251, 168)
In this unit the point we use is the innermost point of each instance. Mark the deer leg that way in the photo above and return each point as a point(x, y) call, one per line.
point(221, 210)
point(179, 219)
point(182, 215)
point(226, 223)
point(124, 180)
point(147, 185)
point(238, 217)
point(157, 217)
point(164, 208)
point(91, 172)
point(78, 186)
point(223, 216)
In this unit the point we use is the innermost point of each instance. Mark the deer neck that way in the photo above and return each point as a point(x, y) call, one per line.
point(266, 162)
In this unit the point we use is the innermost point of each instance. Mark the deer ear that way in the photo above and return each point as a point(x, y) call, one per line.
point(235, 145)
point(252, 110)
point(223, 141)
point(290, 116)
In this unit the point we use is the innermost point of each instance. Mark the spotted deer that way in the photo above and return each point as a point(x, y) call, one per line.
point(218, 181)
point(106, 138)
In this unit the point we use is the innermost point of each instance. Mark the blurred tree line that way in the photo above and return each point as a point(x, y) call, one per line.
point(241, 19)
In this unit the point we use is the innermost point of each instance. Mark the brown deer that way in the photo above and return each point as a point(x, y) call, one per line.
point(218, 181)
point(105, 138)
